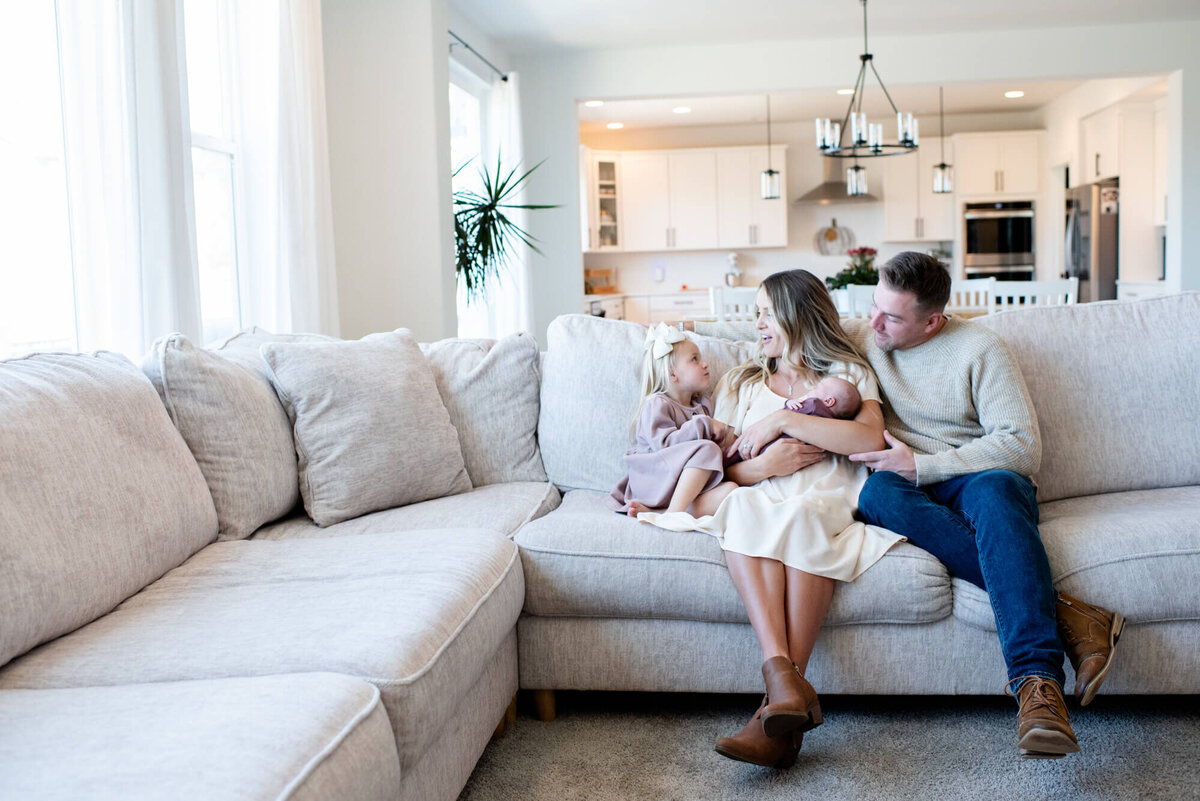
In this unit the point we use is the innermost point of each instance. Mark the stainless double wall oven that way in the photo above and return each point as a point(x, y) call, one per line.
point(998, 240)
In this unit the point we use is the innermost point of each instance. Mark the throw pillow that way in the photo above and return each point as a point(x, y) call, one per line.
point(370, 429)
point(491, 389)
point(236, 428)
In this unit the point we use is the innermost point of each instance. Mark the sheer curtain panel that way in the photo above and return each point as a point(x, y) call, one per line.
point(125, 125)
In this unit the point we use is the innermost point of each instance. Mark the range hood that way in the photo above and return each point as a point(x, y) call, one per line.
point(833, 190)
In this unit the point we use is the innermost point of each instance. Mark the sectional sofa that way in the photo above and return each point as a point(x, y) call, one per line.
point(297, 567)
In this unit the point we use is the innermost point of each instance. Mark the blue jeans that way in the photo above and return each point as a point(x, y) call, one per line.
point(983, 527)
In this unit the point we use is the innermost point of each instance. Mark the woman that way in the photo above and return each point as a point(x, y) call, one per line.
point(788, 531)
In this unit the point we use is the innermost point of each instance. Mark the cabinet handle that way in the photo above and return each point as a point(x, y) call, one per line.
point(1097, 165)
point(1002, 180)
point(753, 234)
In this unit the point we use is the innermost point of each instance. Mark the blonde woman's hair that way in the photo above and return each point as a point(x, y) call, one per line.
point(813, 339)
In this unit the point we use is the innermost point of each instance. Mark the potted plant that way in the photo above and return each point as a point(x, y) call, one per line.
point(860, 271)
point(484, 238)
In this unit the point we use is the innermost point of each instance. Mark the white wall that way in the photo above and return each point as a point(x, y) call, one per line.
point(553, 82)
point(389, 141)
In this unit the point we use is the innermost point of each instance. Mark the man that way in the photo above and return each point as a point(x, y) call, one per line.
point(955, 480)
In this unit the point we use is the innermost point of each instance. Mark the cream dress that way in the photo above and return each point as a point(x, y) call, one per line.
point(806, 519)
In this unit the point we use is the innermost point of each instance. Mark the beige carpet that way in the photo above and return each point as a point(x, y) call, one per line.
point(659, 746)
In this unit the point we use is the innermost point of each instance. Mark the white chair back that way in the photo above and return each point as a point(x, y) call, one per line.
point(733, 303)
point(1060, 292)
point(859, 299)
point(971, 293)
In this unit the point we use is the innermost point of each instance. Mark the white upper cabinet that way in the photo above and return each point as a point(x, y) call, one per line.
point(1100, 146)
point(912, 212)
point(646, 201)
point(996, 164)
point(693, 199)
point(696, 199)
point(746, 220)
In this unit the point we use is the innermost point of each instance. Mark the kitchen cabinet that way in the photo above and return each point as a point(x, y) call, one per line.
point(651, 309)
point(1160, 163)
point(669, 200)
point(602, 200)
point(996, 164)
point(1100, 147)
point(912, 212)
point(745, 220)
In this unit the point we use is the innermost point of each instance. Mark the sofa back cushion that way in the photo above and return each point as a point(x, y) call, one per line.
point(99, 495)
point(234, 425)
point(590, 395)
point(491, 388)
point(1116, 387)
point(370, 428)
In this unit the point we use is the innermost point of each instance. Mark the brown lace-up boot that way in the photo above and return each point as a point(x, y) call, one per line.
point(752, 745)
point(1089, 634)
point(792, 703)
point(1043, 727)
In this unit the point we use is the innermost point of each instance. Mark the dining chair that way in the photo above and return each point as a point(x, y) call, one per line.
point(859, 299)
point(1057, 292)
point(733, 303)
point(970, 294)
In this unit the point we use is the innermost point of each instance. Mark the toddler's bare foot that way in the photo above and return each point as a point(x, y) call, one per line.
point(637, 507)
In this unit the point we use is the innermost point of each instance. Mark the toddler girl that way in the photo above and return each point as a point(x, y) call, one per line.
point(676, 464)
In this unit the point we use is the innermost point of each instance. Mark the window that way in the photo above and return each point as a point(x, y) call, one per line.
point(468, 96)
point(214, 148)
point(37, 303)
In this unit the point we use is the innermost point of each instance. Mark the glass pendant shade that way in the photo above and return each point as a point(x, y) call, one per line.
point(856, 180)
point(943, 179)
point(770, 184)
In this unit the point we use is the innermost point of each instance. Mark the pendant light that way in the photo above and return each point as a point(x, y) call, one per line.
point(770, 177)
point(943, 179)
point(866, 138)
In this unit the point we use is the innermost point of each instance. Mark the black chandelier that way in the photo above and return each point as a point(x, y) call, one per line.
point(866, 139)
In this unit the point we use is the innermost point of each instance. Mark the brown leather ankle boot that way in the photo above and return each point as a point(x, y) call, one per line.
point(792, 703)
point(1043, 727)
point(752, 745)
point(1089, 634)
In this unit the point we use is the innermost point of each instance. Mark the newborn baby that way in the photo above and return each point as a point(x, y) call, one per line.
point(831, 397)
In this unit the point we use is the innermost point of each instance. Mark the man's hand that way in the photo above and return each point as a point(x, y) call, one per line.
point(898, 459)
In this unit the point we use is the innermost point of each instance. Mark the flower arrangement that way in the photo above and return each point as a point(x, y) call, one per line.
point(860, 271)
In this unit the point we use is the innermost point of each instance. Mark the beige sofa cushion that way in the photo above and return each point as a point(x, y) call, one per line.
point(297, 736)
point(235, 427)
point(1116, 390)
point(491, 389)
point(590, 394)
point(502, 508)
point(99, 495)
point(419, 614)
point(307, 736)
point(583, 560)
point(370, 428)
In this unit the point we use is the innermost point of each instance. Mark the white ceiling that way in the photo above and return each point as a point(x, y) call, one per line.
point(805, 105)
point(525, 25)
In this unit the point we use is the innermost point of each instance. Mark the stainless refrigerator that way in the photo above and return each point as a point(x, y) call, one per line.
point(1090, 251)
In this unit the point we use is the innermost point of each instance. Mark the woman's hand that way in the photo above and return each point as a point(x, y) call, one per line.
point(789, 455)
point(758, 436)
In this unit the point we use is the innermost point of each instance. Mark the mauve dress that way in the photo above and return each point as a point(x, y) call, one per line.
point(670, 438)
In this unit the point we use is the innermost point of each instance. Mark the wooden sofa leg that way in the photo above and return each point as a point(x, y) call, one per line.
point(506, 722)
point(543, 703)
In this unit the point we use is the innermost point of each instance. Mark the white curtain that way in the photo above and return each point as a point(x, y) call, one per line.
point(288, 273)
point(505, 306)
point(129, 180)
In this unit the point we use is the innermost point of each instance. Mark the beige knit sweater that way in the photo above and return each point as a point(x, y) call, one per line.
point(958, 401)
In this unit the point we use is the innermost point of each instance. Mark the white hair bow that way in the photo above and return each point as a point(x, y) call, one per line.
point(660, 339)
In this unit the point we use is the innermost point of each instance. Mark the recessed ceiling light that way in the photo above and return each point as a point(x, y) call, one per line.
point(615, 126)
point(682, 109)
point(1014, 93)
point(594, 103)
point(845, 91)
